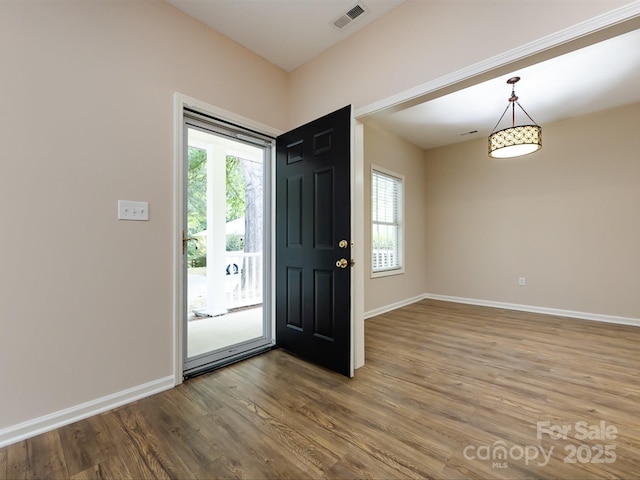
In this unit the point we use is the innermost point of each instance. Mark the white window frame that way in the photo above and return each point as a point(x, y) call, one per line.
point(375, 169)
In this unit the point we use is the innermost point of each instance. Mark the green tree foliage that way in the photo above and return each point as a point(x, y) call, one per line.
point(235, 189)
point(197, 188)
point(197, 197)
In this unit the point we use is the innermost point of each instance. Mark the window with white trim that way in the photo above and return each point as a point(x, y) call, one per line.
point(387, 236)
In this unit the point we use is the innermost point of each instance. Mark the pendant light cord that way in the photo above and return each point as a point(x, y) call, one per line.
point(501, 117)
point(525, 112)
point(514, 117)
point(513, 100)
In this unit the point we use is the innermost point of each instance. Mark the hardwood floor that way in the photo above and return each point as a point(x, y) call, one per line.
point(444, 386)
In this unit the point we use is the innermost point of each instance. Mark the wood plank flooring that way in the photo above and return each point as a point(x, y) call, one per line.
point(444, 386)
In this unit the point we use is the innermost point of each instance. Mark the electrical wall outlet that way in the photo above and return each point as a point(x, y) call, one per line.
point(128, 210)
point(522, 282)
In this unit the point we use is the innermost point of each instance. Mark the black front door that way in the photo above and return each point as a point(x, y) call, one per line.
point(313, 241)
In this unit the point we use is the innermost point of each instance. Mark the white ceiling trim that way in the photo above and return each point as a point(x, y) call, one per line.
point(607, 25)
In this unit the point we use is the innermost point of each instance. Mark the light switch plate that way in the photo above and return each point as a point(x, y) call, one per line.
point(128, 210)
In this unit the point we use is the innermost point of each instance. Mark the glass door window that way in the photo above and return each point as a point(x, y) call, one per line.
point(225, 248)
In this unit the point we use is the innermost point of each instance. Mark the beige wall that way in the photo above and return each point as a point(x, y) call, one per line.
point(86, 119)
point(393, 153)
point(422, 40)
point(565, 218)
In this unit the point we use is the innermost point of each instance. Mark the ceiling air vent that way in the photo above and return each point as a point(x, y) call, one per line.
point(353, 13)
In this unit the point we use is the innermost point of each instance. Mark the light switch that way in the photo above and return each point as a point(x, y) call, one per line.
point(128, 210)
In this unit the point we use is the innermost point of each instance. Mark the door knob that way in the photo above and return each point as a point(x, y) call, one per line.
point(342, 263)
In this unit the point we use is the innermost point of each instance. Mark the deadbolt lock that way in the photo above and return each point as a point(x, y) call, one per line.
point(343, 244)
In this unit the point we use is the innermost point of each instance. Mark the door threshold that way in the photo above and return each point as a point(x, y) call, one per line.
point(210, 367)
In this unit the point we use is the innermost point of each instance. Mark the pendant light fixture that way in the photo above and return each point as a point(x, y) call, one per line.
point(515, 141)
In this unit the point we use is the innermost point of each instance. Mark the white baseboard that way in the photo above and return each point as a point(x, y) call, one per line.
point(393, 306)
point(544, 310)
point(597, 317)
point(58, 419)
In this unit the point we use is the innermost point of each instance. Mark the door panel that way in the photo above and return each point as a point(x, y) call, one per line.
point(294, 298)
point(323, 209)
point(313, 304)
point(324, 313)
point(294, 211)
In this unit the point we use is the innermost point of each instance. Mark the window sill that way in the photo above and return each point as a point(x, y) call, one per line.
point(387, 273)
